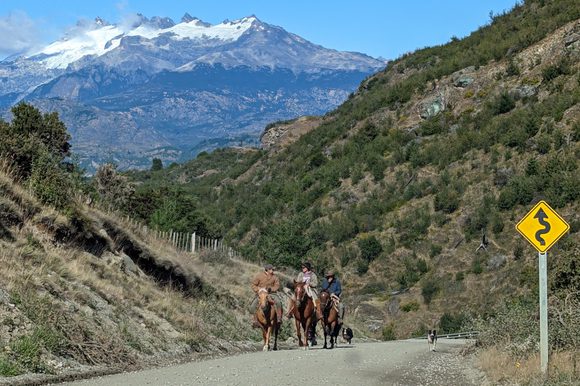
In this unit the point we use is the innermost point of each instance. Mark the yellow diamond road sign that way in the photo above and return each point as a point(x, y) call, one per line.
point(542, 226)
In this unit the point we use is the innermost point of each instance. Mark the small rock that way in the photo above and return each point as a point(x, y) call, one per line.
point(463, 81)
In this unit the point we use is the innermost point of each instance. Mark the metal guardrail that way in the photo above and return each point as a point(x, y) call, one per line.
point(460, 335)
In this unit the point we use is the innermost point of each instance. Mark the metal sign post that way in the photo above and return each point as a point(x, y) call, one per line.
point(542, 227)
point(543, 268)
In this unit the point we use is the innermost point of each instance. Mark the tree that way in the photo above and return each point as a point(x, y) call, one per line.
point(30, 135)
point(156, 165)
point(112, 187)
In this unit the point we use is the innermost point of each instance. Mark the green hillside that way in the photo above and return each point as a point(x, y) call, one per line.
point(396, 187)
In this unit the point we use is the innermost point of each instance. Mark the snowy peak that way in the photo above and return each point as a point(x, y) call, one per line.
point(99, 37)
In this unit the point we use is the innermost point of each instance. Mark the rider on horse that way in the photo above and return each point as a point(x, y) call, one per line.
point(308, 277)
point(269, 280)
point(332, 285)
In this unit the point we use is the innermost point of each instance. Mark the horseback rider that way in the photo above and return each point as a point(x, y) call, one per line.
point(269, 280)
point(309, 278)
point(331, 283)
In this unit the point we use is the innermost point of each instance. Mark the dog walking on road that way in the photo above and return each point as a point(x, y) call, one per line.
point(432, 339)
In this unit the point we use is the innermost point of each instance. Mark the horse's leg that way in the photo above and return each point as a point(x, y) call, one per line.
point(267, 340)
point(298, 327)
point(276, 330)
point(307, 325)
point(332, 329)
point(264, 338)
point(325, 334)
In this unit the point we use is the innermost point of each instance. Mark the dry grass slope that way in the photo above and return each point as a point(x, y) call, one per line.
point(87, 291)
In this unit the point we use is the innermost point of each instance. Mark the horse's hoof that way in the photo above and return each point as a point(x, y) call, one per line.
point(275, 348)
point(265, 348)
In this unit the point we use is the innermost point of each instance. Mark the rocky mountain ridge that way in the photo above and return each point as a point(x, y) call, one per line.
point(171, 86)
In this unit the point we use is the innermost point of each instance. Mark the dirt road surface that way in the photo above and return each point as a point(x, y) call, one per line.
point(398, 363)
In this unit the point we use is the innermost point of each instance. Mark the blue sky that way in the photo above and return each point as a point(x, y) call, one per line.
point(375, 27)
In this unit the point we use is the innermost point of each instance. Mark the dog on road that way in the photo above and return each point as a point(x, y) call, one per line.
point(432, 339)
point(347, 334)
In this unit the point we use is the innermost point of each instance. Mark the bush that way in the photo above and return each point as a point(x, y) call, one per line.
point(502, 104)
point(512, 69)
point(389, 332)
point(520, 339)
point(446, 200)
point(370, 248)
point(156, 165)
point(435, 250)
point(451, 323)
point(113, 188)
point(30, 134)
point(8, 368)
point(411, 306)
point(362, 266)
point(49, 182)
point(476, 266)
point(429, 289)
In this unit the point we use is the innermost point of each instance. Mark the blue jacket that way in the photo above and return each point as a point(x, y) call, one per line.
point(333, 287)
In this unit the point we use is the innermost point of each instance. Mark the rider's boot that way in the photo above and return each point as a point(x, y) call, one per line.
point(279, 314)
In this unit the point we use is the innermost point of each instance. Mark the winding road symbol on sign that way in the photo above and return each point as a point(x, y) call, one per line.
point(542, 226)
point(542, 216)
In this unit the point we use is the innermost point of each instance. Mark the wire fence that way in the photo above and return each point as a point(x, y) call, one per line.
point(181, 241)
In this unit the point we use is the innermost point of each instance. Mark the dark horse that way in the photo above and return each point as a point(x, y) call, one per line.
point(266, 316)
point(304, 314)
point(329, 319)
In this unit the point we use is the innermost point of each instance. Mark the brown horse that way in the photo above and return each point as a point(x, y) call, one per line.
point(304, 313)
point(329, 319)
point(266, 316)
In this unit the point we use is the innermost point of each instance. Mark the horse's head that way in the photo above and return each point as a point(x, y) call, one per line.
point(263, 300)
point(299, 292)
point(324, 299)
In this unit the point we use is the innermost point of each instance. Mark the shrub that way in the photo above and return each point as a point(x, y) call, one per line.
point(512, 69)
point(450, 323)
point(370, 248)
point(112, 187)
point(156, 165)
point(30, 134)
point(411, 306)
point(8, 368)
point(497, 224)
point(389, 332)
point(446, 200)
point(476, 266)
point(429, 289)
point(502, 104)
point(362, 266)
point(49, 182)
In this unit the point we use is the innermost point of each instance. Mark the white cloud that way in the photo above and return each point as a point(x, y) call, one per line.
point(19, 33)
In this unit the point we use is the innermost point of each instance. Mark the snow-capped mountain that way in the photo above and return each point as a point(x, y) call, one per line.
point(153, 87)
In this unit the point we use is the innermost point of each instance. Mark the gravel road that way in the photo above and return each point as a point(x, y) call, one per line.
point(405, 362)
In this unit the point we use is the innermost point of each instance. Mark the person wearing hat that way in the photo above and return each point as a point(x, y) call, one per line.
point(269, 280)
point(332, 285)
point(308, 277)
